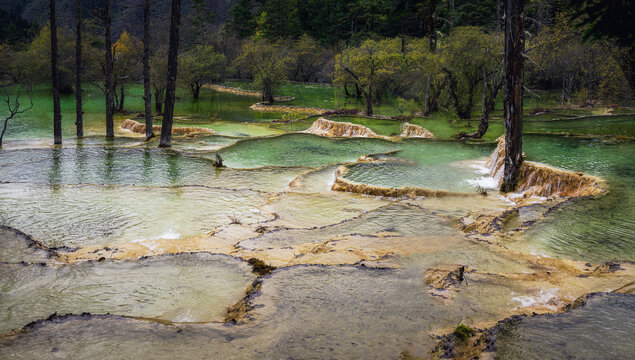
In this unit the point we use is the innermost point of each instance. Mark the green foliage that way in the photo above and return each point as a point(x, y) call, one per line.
point(578, 68)
point(465, 54)
point(368, 66)
point(242, 20)
point(267, 63)
point(13, 29)
point(200, 65)
point(463, 332)
point(38, 57)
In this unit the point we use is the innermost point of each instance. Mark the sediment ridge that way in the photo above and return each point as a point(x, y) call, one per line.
point(330, 128)
point(242, 92)
point(543, 180)
point(266, 107)
point(139, 128)
point(410, 130)
point(345, 185)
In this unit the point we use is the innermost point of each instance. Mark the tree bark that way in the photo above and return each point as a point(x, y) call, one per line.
point(513, 104)
point(158, 101)
point(79, 113)
point(4, 128)
point(431, 25)
point(147, 93)
point(122, 98)
point(108, 69)
point(57, 113)
point(173, 52)
point(369, 101)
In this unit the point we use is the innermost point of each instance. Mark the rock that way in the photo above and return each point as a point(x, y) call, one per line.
point(445, 276)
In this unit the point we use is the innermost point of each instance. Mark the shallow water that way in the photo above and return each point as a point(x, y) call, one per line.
point(115, 214)
point(178, 288)
point(598, 229)
point(16, 247)
point(108, 194)
point(300, 150)
point(602, 329)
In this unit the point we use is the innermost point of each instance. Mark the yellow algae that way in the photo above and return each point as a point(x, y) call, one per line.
point(410, 130)
point(139, 128)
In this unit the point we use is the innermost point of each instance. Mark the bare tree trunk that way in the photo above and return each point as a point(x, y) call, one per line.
point(4, 128)
point(431, 26)
point(110, 132)
point(427, 97)
point(513, 104)
point(79, 117)
point(57, 113)
point(369, 101)
point(122, 98)
point(147, 93)
point(173, 52)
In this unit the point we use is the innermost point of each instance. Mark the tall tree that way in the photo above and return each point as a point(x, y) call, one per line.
point(173, 52)
point(608, 20)
point(79, 117)
point(368, 66)
point(513, 102)
point(147, 93)
point(110, 102)
point(267, 63)
point(57, 113)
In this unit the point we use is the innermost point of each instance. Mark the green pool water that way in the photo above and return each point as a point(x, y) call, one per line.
point(597, 229)
point(106, 192)
point(439, 165)
point(604, 328)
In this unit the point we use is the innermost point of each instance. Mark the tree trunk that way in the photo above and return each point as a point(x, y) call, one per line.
point(426, 111)
point(4, 128)
point(173, 52)
point(369, 101)
point(431, 26)
point(122, 98)
point(57, 113)
point(267, 92)
point(79, 117)
point(196, 90)
point(513, 104)
point(108, 69)
point(158, 101)
point(147, 93)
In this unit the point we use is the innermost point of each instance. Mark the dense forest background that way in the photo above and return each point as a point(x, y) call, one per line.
point(428, 54)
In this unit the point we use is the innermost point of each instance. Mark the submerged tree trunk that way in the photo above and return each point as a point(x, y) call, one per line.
point(108, 72)
point(147, 93)
point(57, 113)
point(122, 98)
point(267, 92)
point(158, 100)
point(195, 89)
point(513, 104)
point(166, 128)
point(79, 117)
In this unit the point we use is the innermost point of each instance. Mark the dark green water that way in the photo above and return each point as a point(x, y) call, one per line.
point(602, 329)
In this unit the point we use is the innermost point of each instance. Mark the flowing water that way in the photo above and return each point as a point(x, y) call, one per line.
point(352, 268)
